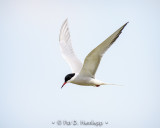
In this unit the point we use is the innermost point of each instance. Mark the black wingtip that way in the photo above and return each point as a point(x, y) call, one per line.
point(125, 24)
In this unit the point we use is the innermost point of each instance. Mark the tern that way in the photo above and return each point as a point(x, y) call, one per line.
point(84, 74)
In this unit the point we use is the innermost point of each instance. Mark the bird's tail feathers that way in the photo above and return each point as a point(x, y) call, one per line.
point(112, 84)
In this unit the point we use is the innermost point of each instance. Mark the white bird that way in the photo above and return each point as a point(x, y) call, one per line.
point(84, 74)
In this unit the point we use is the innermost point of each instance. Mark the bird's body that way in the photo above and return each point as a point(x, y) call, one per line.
point(84, 74)
point(85, 81)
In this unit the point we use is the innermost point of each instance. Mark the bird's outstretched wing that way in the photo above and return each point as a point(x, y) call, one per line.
point(67, 50)
point(93, 59)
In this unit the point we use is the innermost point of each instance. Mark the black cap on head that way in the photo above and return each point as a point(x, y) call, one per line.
point(69, 76)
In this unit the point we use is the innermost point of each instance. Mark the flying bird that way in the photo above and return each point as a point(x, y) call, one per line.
point(84, 74)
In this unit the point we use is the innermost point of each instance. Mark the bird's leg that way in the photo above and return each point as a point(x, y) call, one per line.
point(97, 85)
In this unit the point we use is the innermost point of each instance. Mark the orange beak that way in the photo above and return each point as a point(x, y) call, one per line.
point(63, 84)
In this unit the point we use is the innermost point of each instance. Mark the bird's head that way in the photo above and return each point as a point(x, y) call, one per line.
point(68, 78)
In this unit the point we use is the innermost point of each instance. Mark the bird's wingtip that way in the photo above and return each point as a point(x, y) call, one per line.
point(126, 23)
point(66, 19)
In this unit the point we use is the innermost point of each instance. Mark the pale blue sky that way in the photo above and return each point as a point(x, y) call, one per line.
point(32, 69)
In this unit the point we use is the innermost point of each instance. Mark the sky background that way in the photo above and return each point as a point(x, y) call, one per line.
point(32, 69)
